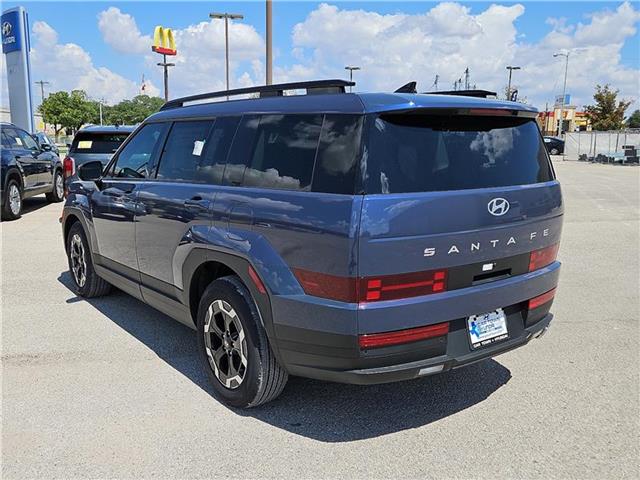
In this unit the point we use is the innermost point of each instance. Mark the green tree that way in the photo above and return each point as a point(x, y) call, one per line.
point(129, 112)
point(66, 110)
point(608, 112)
point(634, 120)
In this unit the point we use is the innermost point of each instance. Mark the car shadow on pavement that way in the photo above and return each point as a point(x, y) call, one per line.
point(323, 411)
point(32, 204)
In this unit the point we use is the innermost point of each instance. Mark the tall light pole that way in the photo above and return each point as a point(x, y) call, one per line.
point(511, 69)
point(269, 70)
point(351, 69)
point(564, 87)
point(42, 83)
point(226, 17)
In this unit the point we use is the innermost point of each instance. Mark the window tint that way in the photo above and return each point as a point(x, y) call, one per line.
point(241, 150)
point(420, 153)
point(217, 150)
point(184, 150)
point(5, 140)
point(284, 152)
point(89, 142)
point(135, 159)
point(338, 154)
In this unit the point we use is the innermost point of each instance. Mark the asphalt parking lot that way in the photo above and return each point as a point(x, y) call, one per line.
point(111, 388)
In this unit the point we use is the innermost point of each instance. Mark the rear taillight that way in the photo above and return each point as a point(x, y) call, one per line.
point(393, 287)
point(543, 257)
point(68, 167)
point(541, 299)
point(386, 339)
point(372, 289)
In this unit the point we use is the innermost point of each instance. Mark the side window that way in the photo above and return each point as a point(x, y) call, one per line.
point(338, 154)
point(136, 158)
point(184, 150)
point(284, 152)
point(6, 143)
point(241, 150)
point(27, 140)
point(217, 150)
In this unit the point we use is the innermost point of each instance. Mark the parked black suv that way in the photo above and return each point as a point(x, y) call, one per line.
point(359, 238)
point(28, 168)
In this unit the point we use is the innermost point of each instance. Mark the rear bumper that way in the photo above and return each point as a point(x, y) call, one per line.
point(416, 369)
point(319, 339)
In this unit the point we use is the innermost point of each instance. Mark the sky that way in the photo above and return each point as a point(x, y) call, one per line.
point(104, 48)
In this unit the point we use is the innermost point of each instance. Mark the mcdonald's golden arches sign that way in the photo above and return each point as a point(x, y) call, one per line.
point(163, 41)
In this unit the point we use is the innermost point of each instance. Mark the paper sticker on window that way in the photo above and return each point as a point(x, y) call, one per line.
point(84, 144)
point(198, 145)
point(18, 141)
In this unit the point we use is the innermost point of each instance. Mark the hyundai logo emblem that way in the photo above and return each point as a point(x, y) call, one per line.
point(498, 206)
point(6, 29)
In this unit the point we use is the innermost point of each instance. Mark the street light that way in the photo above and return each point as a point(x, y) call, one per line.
point(351, 69)
point(564, 86)
point(511, 69)
point(226, 17)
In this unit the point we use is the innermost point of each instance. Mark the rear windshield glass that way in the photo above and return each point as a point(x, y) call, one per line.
point(421, 153)
point(97, 142)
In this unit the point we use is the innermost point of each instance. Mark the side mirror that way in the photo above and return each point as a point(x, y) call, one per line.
point(90, 171)
point(45, 147)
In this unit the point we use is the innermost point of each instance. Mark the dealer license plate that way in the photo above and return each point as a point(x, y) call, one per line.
point(487, 328)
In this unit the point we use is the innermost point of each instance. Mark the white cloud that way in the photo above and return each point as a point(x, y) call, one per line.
point(200, 64)
point(121, 32)
point(68, 66)
point(396, 48)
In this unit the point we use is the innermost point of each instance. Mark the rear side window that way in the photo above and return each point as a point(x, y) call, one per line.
point(100, 143)
point(338, 154)
point(284, 152)
point(184, 150)
point(136, 157)
point(423, 153)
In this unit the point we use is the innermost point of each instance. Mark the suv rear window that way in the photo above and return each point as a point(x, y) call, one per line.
point(89, 142)
point(427, 153)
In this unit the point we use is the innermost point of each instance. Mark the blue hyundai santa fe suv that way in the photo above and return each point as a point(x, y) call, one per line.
point(351, 237)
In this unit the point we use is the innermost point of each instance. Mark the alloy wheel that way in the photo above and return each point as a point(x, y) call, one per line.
point(78, 260)
point(15, 202)
point(59, 186)
point(225, 344)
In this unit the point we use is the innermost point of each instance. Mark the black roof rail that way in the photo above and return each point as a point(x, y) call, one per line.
point(465, 93)
point(312, 87)
point(408, 88)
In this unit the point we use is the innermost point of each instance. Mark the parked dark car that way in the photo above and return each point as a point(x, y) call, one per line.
point(28, 169)
point(44, 139)
point(96, 142)
point(358, 238)
point(554, 145)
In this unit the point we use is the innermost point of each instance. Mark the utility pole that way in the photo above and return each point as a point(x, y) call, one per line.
point(226, 17)
point(351, 69)
point(269, 79)
point(42, 83)
point(564, 88)
point(511, 69)
point(166, 66)
point(466, 79)
point(435, 82)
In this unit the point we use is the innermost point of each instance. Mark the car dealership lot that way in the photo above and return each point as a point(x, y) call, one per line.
point(111, 388)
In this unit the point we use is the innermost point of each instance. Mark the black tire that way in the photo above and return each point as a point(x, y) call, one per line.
point(554, 151)
point(12, 210)
point(78, 249)
point(262, 379)
point(57, 194)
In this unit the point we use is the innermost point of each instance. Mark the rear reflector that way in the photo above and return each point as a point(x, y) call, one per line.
point(543, 257)
point(371, 289)
point(541, 299)
point(377, 340)
point(256, 280)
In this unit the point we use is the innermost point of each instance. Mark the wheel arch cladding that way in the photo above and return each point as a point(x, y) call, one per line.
point(68, 223)
point(203, 275)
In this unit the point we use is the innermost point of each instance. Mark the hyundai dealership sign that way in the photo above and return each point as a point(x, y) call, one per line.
point(15, 46)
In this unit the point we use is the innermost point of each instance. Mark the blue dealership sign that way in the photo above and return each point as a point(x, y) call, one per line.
point(11, 31)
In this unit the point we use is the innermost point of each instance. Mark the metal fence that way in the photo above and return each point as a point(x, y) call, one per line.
point(592, 144)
